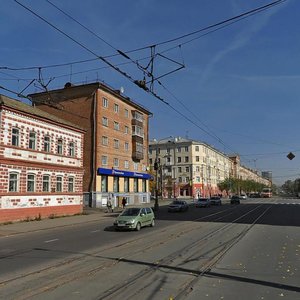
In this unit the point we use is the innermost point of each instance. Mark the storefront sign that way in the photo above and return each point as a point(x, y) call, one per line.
point(114, 172)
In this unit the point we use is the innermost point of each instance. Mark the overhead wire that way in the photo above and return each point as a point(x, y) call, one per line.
point(168, 41)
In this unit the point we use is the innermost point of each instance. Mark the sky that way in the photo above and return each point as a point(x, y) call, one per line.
point(236, 87)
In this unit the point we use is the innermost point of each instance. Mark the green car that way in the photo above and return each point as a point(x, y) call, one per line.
point(135, 218)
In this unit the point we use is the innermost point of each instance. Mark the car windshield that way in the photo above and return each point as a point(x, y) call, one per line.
point(131, 212)
point(176, 202)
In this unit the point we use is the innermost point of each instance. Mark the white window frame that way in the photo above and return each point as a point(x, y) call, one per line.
point(14, 182)
point(31, 181)
point(104, 102)
point(15, 136)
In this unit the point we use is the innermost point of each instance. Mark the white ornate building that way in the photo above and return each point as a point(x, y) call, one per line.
point(41, 163)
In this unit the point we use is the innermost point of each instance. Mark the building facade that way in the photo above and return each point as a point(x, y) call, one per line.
point(188, 168)
point(116, 140)
point(41, 162)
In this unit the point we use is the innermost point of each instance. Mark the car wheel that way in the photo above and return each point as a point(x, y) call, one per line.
point(152, 223)
point(138, 226)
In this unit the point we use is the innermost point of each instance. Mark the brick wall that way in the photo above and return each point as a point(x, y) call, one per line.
point(26, 214)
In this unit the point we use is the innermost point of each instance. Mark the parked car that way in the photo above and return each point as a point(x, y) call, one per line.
point(243, 196)
point(203, 202)
point(235, 199)
point(215, 200)
point(178, 205)
point(254, 195)
point(135, 218)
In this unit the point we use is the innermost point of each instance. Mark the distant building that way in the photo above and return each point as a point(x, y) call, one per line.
point(41, 163)
point(189, 168)
point(116, 140)
point(267, 175)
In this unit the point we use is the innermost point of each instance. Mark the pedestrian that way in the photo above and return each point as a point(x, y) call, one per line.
point(124, 202)
point(109, 206)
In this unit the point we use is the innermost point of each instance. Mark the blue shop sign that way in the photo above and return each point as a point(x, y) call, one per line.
point(114, 172)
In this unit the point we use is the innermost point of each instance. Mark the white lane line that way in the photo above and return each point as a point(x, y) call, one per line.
point(95, 231)
point(50, 241)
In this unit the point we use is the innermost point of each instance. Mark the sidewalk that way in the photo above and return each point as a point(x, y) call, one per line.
point(89, 215)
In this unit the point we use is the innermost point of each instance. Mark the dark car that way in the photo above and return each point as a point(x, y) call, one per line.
point(254, 195)
point(235, 200)
point(203, 202)
point(178, 205)
point(215, 200)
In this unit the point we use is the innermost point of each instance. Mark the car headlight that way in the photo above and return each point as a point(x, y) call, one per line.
point(130, 222)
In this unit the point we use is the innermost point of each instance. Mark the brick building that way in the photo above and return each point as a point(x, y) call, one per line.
point(41, 163)
point(116, 140)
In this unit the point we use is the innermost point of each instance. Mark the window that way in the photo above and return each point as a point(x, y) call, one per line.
point(139, 147)
point(187, 169)
point(138, 130)
point(116, 184)
point(186, 149)
point(116, 126)
point(135, 166)
point(104, 160)
point(126, 146)
point(179, 159)
point(126, 113)
point(197, 169)
point(116, 108)
point(197, 178)
point(126, 164)
point(32, 140)
point(30, 182)
point(71, 149)
point(197, 158)
point(197, 148)
point(144, 182)
point(126, 129)
point(104, 140)
point(168, 150)
point(187, 179)
point(178, 149)
point(13, 182)
point(59, 181)
point(104, 121)
point(15, 139)
point(135, 185)
point(47, 143)
point(71, 184)
point(116, 144)
point(59, 146)
point(179, 179)
point(46, 183)
point(179, 170)
point(186, 159)
point(104, 102)
point(116, 162)
point(126, 184)
point(150, 161)
point(168, 159)
point(104, 183)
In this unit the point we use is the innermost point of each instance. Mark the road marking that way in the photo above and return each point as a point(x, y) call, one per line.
point(50, 241)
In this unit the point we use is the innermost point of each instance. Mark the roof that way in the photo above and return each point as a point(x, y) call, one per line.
point(74, 91)
point(31, 110)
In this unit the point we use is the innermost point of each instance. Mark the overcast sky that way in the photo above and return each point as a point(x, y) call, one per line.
point(239, 88)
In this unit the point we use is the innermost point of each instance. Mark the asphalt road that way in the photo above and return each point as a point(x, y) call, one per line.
point(247, 251)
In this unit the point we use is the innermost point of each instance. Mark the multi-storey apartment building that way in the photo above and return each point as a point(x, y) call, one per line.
point(188, 168)
point(41, 163)
point(116, 139)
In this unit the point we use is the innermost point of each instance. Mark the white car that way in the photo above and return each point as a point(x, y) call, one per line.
point(243, 196)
